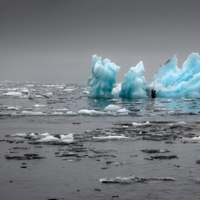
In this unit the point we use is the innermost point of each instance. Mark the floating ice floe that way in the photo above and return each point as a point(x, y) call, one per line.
point(18, 135)
point(49, 139)
point(141, 124)
point(110, 137)
point(67, 139)
point(61, 109)
point(196, 138)
point(68, 90)
point(12, 94)
point(123, 111)
point(111, 108)
point(36, 136)
point(133, 179)
point(24, 112)
point(71, 113)
point(178, 123)
point(89, 112)
point(48, 95)
point(12, 108)
point(39, 106)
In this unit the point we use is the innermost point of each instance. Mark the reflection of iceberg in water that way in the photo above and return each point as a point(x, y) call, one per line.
point(169, 82)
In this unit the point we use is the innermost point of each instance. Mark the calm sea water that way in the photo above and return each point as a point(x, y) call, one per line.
point(78, 177)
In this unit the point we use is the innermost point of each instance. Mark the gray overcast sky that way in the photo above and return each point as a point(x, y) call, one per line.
point(54, 40)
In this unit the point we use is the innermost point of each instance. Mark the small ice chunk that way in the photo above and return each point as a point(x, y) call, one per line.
point(24, 112)
point(110, 137)
point(18, 135)
point(178, 123)
point(70, 113)
point(141, 124)
point(69, 138)
point(39, 106)
point(123, 110)
point(61, 109)
point(48, 95)
point(196, 138)
point(112, 108)
point(49, 139)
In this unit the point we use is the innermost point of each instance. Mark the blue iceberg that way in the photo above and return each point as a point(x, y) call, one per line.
point(172, 81)
point(103, 78)
point(135, 84)
point(169, 82)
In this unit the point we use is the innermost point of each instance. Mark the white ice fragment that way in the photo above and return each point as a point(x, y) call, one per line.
point(121, 137)
point(24, 112)
point(178, 123)
point(12, 94)
point(123, 110)
point(48, 95)
point(39, 106)
point(86, 92)
point(69, 138)
point(57, 113)
point(38, 96)
point(196, 138)
point(49, 139)
point(141, 124)
point(89, 112)
point(12, 108)
point(18, 135)
point(71, 113)
point(111, 108)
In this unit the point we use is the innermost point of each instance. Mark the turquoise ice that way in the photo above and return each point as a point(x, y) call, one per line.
point(171, 81)
point(103, 78)
point(135, 84)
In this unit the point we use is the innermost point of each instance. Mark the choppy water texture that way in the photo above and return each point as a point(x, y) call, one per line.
point(148, 150)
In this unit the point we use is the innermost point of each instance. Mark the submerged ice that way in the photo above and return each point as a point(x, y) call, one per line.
point(170, 81)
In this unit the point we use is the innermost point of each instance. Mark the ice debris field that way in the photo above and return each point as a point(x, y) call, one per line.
point(169, 82)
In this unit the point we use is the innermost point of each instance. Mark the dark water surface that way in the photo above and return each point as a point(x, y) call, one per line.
point(78, 177)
